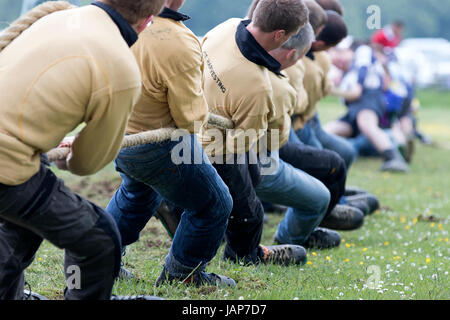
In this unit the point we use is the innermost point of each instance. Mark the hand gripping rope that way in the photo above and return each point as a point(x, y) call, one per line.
point(146, 137)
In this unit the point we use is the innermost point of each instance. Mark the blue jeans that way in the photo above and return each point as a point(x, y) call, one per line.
point(306, 197)
point(314, 135)
point(149, 176)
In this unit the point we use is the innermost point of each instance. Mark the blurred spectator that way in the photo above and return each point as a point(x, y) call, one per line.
point(390, 36)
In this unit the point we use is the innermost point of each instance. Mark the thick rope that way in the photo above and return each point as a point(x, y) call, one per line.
point(134, 140)
point(28, 19)
point(220, 122)
point(153, 136)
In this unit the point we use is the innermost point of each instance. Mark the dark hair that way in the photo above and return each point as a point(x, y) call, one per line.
point(335, 29)
point(252, 8)
point(332, 5)
point(317, 16)
point(135, 10)
point(272, 15)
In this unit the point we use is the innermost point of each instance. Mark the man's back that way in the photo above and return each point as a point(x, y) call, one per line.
point(66, 69)
point(170, 59)
point(235, 87)
point(316, 82)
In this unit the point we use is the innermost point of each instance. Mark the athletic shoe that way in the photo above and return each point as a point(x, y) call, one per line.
point(284, 254)
point(370, 201)
point(125, 274)
point(343, 217)
point(197, 279)
point(322, 238)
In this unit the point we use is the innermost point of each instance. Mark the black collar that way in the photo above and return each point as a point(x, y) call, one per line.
point(252, 50)
point(127, 32)
point(174, 15)
point(310, 55)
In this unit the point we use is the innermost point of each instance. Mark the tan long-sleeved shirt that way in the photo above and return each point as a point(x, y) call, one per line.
point(316, 81)
point(171, 63)
point(237, 89)
point(286, 101)
point(70, 67)
point(296, 74)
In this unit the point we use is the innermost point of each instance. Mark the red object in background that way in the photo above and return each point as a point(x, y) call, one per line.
point(386, 38)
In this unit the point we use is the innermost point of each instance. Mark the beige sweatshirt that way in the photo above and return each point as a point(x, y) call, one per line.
point(237, 89)
point(171, 63)
point(56, 76)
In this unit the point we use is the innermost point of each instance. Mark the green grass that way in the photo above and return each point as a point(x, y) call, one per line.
point(412, 256)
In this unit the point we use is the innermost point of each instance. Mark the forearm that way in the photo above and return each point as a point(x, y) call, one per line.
point(348, 95)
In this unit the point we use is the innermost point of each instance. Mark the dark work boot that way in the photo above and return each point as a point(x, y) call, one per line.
point(344, 217)
point(199, 278)
point(394, 162)
point(370, 201)
point(358, 204)
point(322, 238)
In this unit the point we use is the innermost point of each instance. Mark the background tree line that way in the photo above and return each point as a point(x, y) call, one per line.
point(428, 18)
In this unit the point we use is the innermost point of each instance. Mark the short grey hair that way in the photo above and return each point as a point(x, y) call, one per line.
point(302, 40)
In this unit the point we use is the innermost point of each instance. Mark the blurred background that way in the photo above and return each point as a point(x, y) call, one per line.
point(425, 48)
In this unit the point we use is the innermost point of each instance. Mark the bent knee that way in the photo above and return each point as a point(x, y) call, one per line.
point(221, 203)
point(339, 164)
point(322, 198)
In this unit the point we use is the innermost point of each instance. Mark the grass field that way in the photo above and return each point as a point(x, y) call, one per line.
point(396, 255)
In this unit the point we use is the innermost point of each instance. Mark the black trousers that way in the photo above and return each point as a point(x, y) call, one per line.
point(245, 226)
point(324, 165)
point(44, 208)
